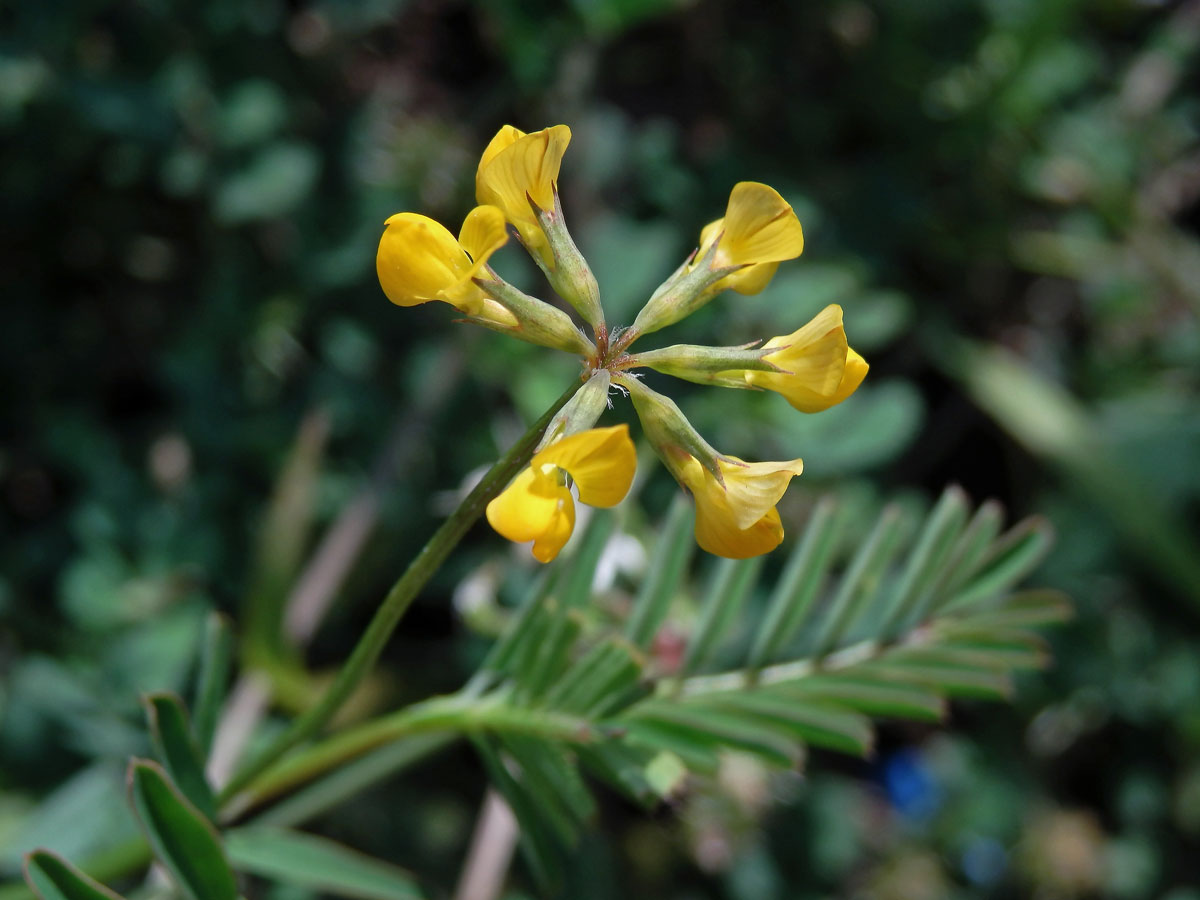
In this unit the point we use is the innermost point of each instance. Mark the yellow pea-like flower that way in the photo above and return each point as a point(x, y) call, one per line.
point(518, 168)
point(820, 369)
point(538, 505)
point(759, 231)
point(419, 260)
point(738, 520)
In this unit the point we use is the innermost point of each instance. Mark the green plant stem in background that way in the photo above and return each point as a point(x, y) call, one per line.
point(398, 599)
point(452, 715)
point(351, 779)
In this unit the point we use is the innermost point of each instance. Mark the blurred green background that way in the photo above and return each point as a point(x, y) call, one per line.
point(1002, 194)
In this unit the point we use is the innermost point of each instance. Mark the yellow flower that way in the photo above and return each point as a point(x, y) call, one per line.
point(759, 231)
point(518, 168)
point(820, 369)
point(419, 260)
point(738, 520)
point(538, 506)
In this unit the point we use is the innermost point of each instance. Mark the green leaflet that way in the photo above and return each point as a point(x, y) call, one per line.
point(212, 680)
point(317, 864)
point(794, 596)
point(180, 835)
point(822, 725)
point(177, 750)
point(664, 575)
point(731, 586)
point(53, 878)
point(872, 697)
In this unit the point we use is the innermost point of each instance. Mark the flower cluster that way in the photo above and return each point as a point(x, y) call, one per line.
point(813, 367)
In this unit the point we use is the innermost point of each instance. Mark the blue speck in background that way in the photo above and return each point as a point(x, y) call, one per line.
point(910, 785)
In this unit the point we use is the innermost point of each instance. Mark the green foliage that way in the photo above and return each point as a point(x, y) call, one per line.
point(1018, 172)
point(53, 878)
point(212, 680)
point(918, 612)
point(178, 751)
point(317, 864)
point(182, 839)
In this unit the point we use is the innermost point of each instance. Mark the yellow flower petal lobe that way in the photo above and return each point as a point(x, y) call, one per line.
point(753, 489)
point(739, 520)
point(528, 508)
point(483, 233)
point(504, 138)
point(547, 545)
point(760, 226)
point(516, 168)
point(852, 377)
point(601, 461)
point(814, 358)
point(417, 259)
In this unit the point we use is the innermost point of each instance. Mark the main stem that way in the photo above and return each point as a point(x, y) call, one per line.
point(398, 599)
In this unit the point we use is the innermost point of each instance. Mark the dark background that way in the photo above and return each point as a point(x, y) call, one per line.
point(1002, 195)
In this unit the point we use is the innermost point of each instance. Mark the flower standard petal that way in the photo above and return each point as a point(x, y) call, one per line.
point(758, 231)
point(753, 489)
point(504, 138)
point(760, 227)
point(417, 259)
point(601, 461)
point(517, 168)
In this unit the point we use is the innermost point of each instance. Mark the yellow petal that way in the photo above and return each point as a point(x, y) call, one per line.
point(524, 510)
point(708, 234)
point(497, 313)
point(483, 233)
point(856, 371)
point(753, 489)
point(814, 359)
point(750, 279)
point(715, 535)
point(760, 227)
point(505, 138)
point(536, 507)
point(602, 462)
point(417, 259)
point(727, 522)
point(523, 169)
point(554, 538)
